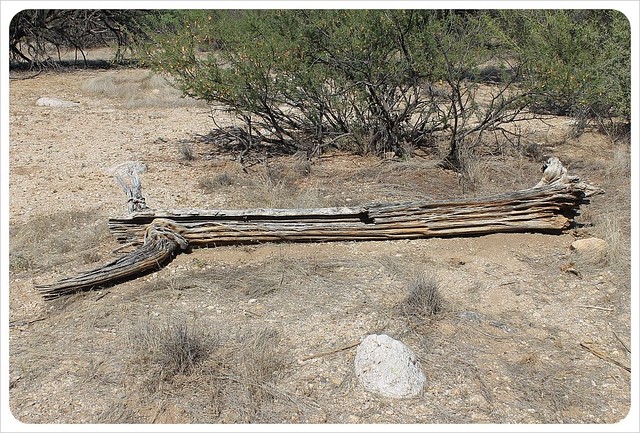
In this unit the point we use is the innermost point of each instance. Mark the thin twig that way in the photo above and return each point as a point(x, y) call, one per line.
point(122, 247)
point(595, 307)
point(331, 352)
point(495, 337)
point(605, 357)
point(25, 322)
point(621, 342)
point(509, 283)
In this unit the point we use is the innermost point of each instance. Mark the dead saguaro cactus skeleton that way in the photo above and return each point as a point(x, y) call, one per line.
point(126, 174)
point(548, 207)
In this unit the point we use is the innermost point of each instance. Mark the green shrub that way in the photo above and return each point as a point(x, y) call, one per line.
point(306, 79)
point(391, 80)
point(578, 61)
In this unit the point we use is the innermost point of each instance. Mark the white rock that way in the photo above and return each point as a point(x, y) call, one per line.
point(388, 367)
point(53, 102)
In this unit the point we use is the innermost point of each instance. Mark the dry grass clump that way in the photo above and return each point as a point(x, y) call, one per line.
point(610, 228)
point(259, 364)
point(139, 88)
point(472, 169)
point(547, 388)
point(255, 281)
point(47, 241)
point(620, 164)
point(533, 150)
point(423, 300)
point(272, 189)
point(301, 164)
point(277, 187)
point(261, 287)
point(221, 377)
point(171, 349)
point(249, 372)
point(186, 152)
point(269, 187)
point(212, 184)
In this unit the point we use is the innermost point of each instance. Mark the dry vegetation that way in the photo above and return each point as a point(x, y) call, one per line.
point(267, 333)
point(138, 89)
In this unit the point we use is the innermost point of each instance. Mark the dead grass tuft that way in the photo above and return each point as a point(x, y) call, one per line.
point(186, 152)
point(533, 150)
point(301, 164)
point(423, 300)
point(543, 388)
point(609, 227)
point(259, 365)
point(472, 172)
point(223, 376)
point(171, 349)
point(620, 165)
point(213, 184)
point(139, 89)
point(272, 189)
point(48, 241)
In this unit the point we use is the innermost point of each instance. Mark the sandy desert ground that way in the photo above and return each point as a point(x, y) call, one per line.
point(274, 326)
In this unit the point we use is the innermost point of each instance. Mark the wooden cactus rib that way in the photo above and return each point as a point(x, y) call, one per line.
point(158, 248)
point(549, 207)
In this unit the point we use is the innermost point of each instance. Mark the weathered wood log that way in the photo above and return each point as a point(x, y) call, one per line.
point(549, 207)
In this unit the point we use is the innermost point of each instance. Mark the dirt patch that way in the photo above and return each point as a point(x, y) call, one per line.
point(272, 328)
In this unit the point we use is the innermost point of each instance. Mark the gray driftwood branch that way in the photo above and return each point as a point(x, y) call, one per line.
point(548, 207)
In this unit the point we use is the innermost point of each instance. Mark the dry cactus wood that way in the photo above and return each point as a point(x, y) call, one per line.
point(126, 174)
point(549, 207)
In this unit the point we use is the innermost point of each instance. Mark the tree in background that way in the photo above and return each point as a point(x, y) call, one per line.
point(579, 61)
point(36, 37)
point(305, 79)
point(370, 81)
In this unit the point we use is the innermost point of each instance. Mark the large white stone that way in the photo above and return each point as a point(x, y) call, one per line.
point(388, 367)
point(53, 102)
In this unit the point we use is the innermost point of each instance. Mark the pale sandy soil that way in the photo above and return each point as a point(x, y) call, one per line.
point(507, 348)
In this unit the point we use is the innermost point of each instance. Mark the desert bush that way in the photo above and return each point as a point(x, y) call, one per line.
point(355, 79)
point(578, 61)
point(380, 81)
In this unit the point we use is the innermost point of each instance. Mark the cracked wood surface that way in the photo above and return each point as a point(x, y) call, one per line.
point(548, 207)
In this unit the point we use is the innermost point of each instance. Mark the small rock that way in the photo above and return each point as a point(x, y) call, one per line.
point(388, 367)
point(590, 249)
